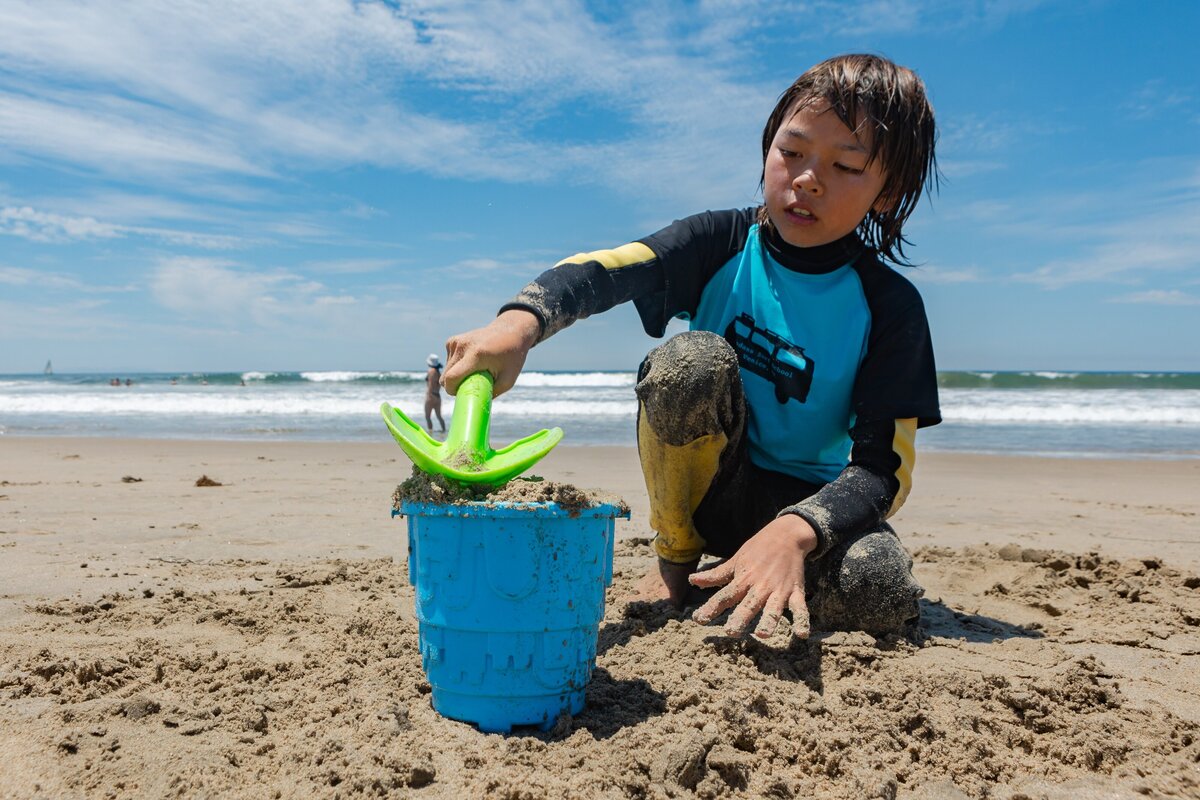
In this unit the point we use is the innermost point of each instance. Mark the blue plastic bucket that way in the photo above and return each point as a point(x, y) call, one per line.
point(509, 601)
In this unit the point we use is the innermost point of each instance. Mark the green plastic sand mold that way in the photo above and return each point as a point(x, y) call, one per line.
point(466, 456)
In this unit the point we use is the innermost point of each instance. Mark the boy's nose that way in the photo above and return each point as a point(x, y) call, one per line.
point(807, 181)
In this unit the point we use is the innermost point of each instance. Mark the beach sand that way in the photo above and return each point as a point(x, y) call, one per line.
point(256, 639)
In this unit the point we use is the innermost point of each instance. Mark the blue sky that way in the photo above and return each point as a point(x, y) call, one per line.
point(337, 185)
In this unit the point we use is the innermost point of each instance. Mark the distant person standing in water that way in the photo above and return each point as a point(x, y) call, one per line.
point(433, 392)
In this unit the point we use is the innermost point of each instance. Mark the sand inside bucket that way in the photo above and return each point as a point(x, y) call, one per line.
point(424, 488)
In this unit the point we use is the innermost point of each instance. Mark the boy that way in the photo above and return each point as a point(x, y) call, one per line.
point(778, 433)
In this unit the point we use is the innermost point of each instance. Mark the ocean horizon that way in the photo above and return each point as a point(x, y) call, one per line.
point(1069, 414)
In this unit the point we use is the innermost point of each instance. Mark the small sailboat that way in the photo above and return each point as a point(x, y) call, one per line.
point(49, 370)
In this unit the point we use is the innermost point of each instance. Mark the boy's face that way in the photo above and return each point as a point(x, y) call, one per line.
point(817, 185)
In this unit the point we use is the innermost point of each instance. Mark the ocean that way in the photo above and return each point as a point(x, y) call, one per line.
point(1062, 414)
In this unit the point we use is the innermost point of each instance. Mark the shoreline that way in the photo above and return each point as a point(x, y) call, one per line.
point(926, 448)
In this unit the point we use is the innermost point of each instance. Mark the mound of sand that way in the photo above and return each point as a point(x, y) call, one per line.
point(1036, 674)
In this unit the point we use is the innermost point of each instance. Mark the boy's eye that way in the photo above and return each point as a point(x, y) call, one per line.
point(787, 153)
point(849, 169)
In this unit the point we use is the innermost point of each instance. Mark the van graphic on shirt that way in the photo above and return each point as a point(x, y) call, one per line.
point(770, 356)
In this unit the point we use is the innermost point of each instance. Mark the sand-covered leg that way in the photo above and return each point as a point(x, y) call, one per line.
point(864, 584)
point(690, 413)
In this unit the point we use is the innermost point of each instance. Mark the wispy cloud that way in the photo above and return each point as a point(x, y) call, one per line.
point(349, 266)
point(1126, 230)
point(20, 276)
point(231, 293)
point(42, 226)
point(361, 210)
point(902, 16)
point(58, 321)
point(934, 274)
point(525, 264)
point(964, 168)
point(1159, 297)
point(113, 135)
point(1158, 98)
point(242, 304)
point(1126, 259)
point(1129, 251)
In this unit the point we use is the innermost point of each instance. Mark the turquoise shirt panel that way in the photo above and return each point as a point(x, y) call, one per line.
point(800, 341)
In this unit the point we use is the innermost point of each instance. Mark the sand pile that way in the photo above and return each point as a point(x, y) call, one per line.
point(421, 487)
point(257, 679)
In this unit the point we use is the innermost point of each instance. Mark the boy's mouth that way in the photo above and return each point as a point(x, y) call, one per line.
point(801, 215)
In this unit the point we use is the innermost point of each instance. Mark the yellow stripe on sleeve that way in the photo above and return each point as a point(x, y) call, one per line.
point(904, 443)
point(623, 256)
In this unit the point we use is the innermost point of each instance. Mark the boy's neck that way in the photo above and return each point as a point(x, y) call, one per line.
point(814, 260)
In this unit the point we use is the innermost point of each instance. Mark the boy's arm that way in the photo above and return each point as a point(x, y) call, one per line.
point(766, 574)
point(869, 490)
point(664, 274)
point(587, 284)
point(578, 287)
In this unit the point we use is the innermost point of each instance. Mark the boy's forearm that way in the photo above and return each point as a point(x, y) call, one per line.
point(869, 489)
point(857, 500)
point(587, 284)
point(524, 325)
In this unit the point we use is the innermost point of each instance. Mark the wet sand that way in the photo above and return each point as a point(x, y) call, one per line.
point(256, 639)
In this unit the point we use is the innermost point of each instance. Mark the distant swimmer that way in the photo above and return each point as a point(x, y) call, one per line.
point(433, 392)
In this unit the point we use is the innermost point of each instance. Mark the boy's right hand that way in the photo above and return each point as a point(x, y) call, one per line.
point(500, 347)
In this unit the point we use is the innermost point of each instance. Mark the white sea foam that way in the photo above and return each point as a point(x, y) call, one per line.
point(285, 404)
point(1055, 375)
point(344, 376)
point(576, 379)
point(1109, 406)
point(1099, 407)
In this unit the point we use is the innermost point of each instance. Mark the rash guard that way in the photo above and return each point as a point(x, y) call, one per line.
point(833, 347)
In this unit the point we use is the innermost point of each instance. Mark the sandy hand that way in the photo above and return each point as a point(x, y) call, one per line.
point(500, 347)
point(765, 576)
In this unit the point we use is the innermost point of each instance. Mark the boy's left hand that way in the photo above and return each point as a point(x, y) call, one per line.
point(765, 575)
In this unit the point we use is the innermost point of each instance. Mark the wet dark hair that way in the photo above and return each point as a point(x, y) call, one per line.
point(872, 95)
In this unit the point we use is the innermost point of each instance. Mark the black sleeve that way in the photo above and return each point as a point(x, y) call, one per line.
point(862, 496)
point(586, 285)
point(692, 250)
point(664, 274)
point(898, 377)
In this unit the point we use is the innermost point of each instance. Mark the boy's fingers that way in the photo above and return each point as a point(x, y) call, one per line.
point(720, 601)
point(770, 616)
point(717, 576)
point(502, 382)
point(799, 609)
point(452, 375)
point(747, 610)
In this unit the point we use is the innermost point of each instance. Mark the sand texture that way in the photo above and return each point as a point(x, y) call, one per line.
point(257, 639)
